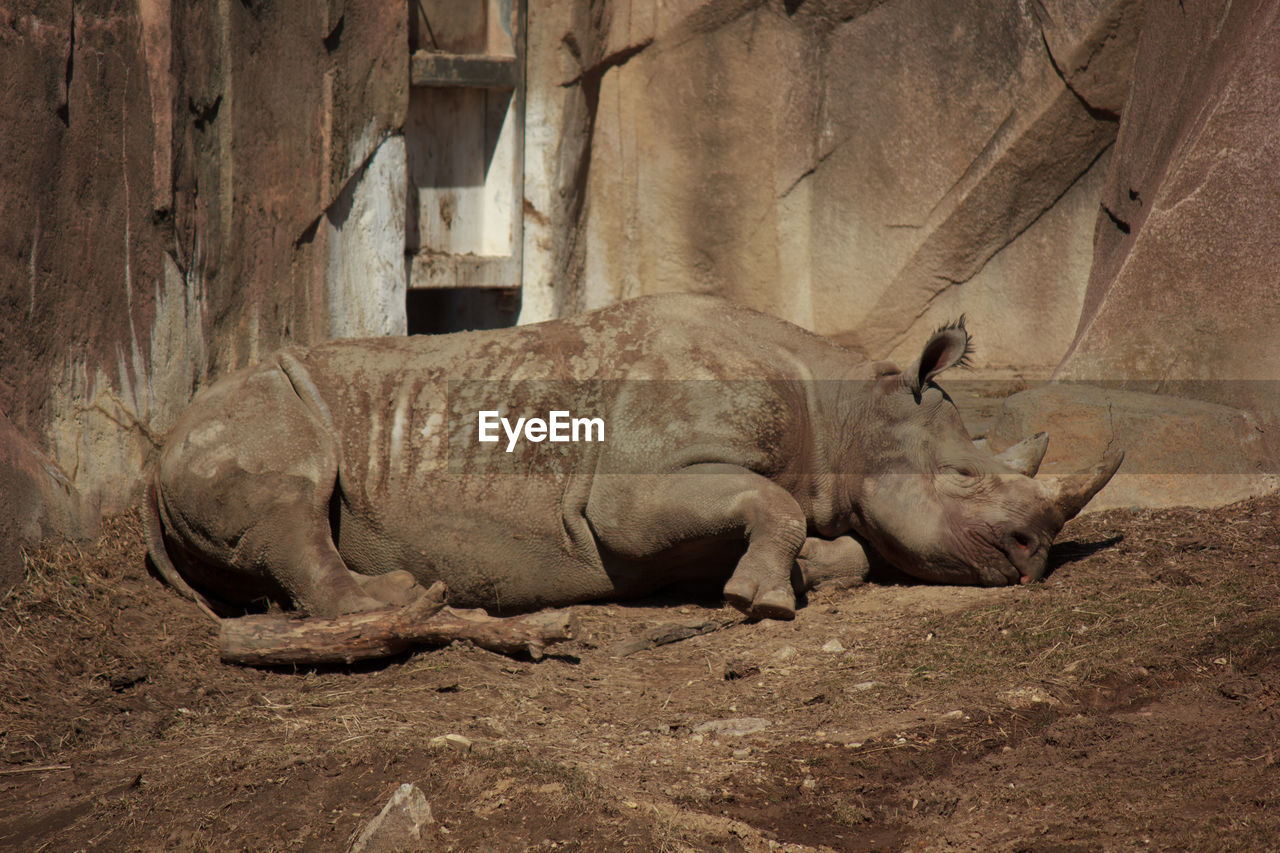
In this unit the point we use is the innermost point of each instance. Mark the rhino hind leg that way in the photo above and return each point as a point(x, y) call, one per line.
point(393, 589)
point(243, 490)
point(309, 568)
point(842, 561)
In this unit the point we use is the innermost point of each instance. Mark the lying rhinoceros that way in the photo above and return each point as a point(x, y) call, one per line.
point(713, 442)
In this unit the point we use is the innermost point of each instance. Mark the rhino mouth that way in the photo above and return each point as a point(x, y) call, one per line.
point(1026, 554)
point(999, 559)
point(980, 556)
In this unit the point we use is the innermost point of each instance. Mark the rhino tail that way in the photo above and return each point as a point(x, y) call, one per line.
point(304, 387)
point(159, 554)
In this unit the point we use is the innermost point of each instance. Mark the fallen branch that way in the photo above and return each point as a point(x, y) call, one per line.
point(46, 768)
point(531, 633)
point(672, 632)
point(274, 640)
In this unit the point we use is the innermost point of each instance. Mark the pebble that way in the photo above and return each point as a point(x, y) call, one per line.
point(833, 646)
point(1025, 697)
point(450, 741)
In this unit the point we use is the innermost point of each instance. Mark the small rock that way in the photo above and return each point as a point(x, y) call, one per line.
point(867, 685)
point(740, 669)
point(785, 653)
point(732, 727)
point(952, 715)
point(450, 741)
point(742, 753)
point(1025, 697)
point(398, 826)
point(833, 646)
point(492, 726)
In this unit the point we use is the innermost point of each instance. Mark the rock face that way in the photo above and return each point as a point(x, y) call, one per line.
point(867, 170)
point(1178, 452)
point(181, 186)
point(36, 500)
point(1185, 288)
point(186, 187)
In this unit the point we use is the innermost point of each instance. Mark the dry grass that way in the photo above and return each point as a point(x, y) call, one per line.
point(1141, 683)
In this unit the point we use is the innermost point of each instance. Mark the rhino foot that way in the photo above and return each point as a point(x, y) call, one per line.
point(393, 589)
point(746, 595)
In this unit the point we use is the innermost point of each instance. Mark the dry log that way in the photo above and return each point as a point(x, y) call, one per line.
point(275, 640)
point(512, 635)
point(280, 640)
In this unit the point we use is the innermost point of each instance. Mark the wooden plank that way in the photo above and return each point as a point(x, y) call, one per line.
point(435, 270)
point(449, 70)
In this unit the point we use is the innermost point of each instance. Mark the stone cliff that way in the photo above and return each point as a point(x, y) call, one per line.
point(187, 187)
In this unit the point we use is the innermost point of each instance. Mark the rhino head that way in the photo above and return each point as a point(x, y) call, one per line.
point(942, 509)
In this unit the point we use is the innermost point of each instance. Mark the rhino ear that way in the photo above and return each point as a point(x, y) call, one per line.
point(947, 347)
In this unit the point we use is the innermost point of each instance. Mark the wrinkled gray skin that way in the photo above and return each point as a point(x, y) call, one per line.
point(348, 476)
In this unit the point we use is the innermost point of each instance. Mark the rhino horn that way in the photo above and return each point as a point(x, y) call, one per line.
point(1070, 493)
point(1025, 456)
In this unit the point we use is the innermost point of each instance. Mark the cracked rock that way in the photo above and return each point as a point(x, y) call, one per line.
point(399, 826)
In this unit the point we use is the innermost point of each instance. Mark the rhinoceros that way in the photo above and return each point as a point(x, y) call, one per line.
point(717, 444)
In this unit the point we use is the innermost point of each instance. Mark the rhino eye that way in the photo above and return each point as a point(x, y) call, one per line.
point(963, 471)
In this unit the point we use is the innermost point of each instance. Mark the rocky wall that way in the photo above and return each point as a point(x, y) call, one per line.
point(1184, 294)
point(1183, 299)
point(186, 186)
point(865, 169)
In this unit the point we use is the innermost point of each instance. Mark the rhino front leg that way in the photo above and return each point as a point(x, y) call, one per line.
point(644, 516)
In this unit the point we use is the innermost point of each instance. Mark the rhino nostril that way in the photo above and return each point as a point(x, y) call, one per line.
point(1021, 548)
point(1024, 552)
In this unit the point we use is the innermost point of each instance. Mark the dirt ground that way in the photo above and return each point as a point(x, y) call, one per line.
point(1130, 702)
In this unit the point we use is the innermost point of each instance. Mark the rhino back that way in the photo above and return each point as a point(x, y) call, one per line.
point(420, 491)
